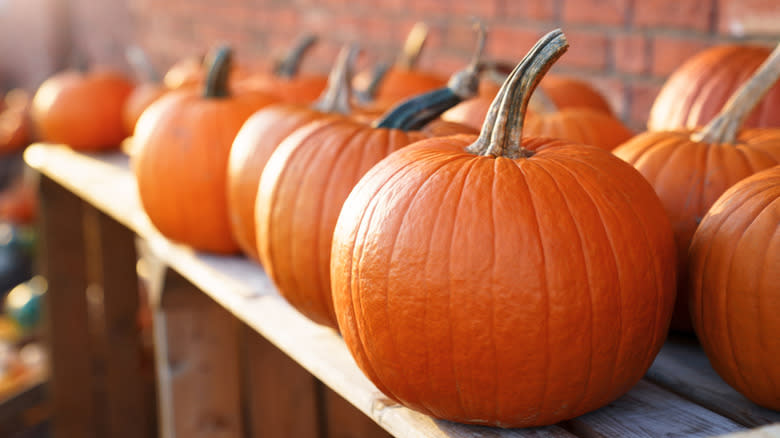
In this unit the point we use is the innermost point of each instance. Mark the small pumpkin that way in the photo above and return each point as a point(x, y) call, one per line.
point(735, 286)
point(503, 280)
point(310, 174)
point(15, 123)
point(402, 80)
point(182, 142)
point(696, 91)
point(82, 110)
point(691, 169)
point(149, 89)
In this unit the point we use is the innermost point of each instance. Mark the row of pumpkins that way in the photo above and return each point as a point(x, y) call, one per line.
point(482, 264)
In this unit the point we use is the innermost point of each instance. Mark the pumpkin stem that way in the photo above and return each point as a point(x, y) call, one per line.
point(218, 62)
point(368, 94)
point(141, 65)
point(336, 97)
point(287, 67)
point(502, 131)
point(723, 129)
point(413, 45)
point(418, 111)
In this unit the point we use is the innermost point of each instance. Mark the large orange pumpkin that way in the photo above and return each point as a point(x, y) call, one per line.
point(182, 142)
point(698, 89)
point(82, 110)
point(260, 136)
point(502, 280)
point(691, 169)
point(310, 174)
point(735, 286)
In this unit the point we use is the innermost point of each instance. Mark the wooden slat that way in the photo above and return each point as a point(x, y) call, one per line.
point(62, 260)
point(346, 421)
point(197, 363)
point(650, 411)
point(280, 396)
point(129, 389)
point(683, 368)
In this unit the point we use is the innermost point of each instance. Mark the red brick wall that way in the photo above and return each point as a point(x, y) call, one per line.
point(625, 47)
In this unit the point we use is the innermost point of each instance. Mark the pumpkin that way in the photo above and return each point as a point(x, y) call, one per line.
point(186, 72)
point(578, 124)
point(82, 110)
point(735, 286)
point(695, 92)
point(309, 176)
point(501, 280)
point(261, 134)
point(182, 142)
point(139, 99)
point(15, 129)
point(286, 83)
point(402, 80)
point(691, 169)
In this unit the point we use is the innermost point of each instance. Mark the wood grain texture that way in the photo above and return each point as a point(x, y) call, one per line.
point(128, 388)
point(279, 396)
point(683, 368)
point(62, 260)
point(346, 421)
point(197, 363)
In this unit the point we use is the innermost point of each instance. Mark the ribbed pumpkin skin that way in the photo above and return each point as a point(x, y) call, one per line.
point(301, 89)
point(579, 125)
point(689, 177)
point(735, 286)
point(255, 142)
point(511, 293)
point(83, 111)
point(182, 142)
point(299, 198)
point(698, 89)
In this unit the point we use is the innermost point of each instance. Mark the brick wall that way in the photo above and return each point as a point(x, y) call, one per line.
point(625, 47)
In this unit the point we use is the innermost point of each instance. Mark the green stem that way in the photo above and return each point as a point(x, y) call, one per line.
point(288, 66)
point(501, 134)
point(219, 62)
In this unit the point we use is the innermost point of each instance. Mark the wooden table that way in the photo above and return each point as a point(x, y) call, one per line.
point(233, 359)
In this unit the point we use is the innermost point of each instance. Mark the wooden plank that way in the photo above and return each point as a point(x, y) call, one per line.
point(346, 421)
point(683, 368)
point(129, 388)
point(62, 260)
point(197, 363)
point(650, 411)
point(772, 431)
point(280, 397)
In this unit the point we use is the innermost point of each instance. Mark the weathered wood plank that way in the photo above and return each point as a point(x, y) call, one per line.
point(196, 343)
point(129, 389)
point(62, 260)
point(280, 396)
point(650, 411)
point(346, 421)
point(683, 368)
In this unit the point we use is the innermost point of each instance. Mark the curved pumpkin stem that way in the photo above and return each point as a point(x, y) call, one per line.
point(723, 129)
point(141, 65)
point(368, 94)
point(288, 66)
point(413, 45)
point(219, 62)
point(336, 97)
point(502, 131)
point(418, 111)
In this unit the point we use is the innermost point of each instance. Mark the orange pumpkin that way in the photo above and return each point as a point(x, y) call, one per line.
point(82, 110)
point(695, 92)
point(501, 280)
point(141, 97)
point(691, 169)
point(402, 80)
point(310, 174)
point(15, 129)
point(735, 286)
point(182, 142)
point(260, 136)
